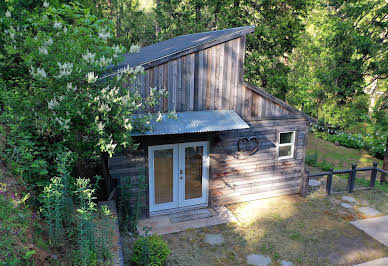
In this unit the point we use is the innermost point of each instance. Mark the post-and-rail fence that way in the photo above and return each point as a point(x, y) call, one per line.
point(351, 179)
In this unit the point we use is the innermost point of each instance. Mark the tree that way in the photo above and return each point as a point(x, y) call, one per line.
point(278, 26)
point(56, 97)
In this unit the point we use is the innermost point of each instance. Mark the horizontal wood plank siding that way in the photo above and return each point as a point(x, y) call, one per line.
point(238, 176)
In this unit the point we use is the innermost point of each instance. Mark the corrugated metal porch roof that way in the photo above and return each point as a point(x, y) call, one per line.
point(196, 122)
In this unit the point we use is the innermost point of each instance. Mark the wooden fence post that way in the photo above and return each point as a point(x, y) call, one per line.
point(373, 175)
point(305, 184)
point(352, 178)
point(329, 181)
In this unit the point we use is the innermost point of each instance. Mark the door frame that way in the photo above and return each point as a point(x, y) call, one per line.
point(205, 173)
point(179, 201)
point(170, 205)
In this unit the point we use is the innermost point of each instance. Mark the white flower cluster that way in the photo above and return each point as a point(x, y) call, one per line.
point(129, 70)
point(70, 87)
point(135, 48)
point(8, 14)
point(117, 50)
point(45, 4)
point(91, 77)
point(89, 57)
point(111, 147)
point(44, 49)
point(52, 104)
point(104, 61)
point(63, 123)
point(38, 73)
point(57, 25)
point(127, 124)
point(11, 31)
point(65, 69)
point(104, 34)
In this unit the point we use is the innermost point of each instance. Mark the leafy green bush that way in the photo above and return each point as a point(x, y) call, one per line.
point(373, 143)
point(312, 160)
point(150, 250)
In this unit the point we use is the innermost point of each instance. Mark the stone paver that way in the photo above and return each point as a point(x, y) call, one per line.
point(214, 239)
point(368, 211)
point(375, 227)
point(349, 199)
point(258, 259)
point(346, 205)
point(379, 262)
point(286, 263)
point(162, 224)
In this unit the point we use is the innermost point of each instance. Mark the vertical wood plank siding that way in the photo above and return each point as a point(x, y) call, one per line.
point(210, 79)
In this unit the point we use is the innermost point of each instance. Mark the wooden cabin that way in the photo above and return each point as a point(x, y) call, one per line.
point(231, 141)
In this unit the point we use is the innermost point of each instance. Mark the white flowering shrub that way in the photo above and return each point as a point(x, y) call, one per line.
point(55, 96)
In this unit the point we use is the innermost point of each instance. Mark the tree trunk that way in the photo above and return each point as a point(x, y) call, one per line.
point(157, 27)
point(385, 163)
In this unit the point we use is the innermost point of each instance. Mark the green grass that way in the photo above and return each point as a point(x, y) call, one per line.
point(338, 156)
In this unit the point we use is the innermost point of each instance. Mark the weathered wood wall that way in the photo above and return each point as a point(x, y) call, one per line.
point(209, 79)
point(256, 105)
point(237, 177)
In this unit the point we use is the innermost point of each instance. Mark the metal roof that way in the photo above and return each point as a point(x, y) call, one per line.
point(177, 45)
point(195, 122)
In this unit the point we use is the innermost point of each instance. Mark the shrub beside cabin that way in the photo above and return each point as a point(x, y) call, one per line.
point(231, 142)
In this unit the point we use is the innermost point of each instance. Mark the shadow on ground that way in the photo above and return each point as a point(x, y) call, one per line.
point(304, 231)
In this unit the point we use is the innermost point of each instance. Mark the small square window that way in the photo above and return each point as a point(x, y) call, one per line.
point(286, 145)
point(285, 151)
point(286, 137)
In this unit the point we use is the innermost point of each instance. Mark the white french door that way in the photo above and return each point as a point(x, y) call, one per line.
point(178, 175)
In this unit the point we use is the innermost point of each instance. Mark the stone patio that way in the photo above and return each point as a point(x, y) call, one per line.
point(375, 227)
point(162, 224)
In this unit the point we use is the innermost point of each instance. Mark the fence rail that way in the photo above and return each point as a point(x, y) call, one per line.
point(351, 179)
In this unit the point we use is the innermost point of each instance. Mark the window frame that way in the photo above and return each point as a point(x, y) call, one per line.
point(291, 144)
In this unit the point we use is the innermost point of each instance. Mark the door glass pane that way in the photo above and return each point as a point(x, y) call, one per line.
point(286, 137)
point(285, 151)
point(193, 172)
point(163, 172)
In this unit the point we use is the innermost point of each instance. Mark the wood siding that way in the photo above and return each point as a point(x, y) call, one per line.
point(238, 176)
point(208, 79)
point(235, 176)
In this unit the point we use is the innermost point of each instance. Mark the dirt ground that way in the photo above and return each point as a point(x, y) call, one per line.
point(312, 231)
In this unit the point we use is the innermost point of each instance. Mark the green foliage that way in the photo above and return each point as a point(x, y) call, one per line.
point(339, 64)
point(373, 143)
point(56, 199)
point(150, 250)
point(278, 26)
point(104, 235)
point(94, 227)
point(312, 160)
point(15, 223)
point(50, 64)
point(52, 200)
point(131, 204)
point(86, 253)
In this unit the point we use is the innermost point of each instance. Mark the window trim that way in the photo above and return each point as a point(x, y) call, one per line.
point(291, 144)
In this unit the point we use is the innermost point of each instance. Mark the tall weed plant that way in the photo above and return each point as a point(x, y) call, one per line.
point(131, 201)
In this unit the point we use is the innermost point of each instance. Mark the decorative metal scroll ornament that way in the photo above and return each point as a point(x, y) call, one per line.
point(248, 144)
